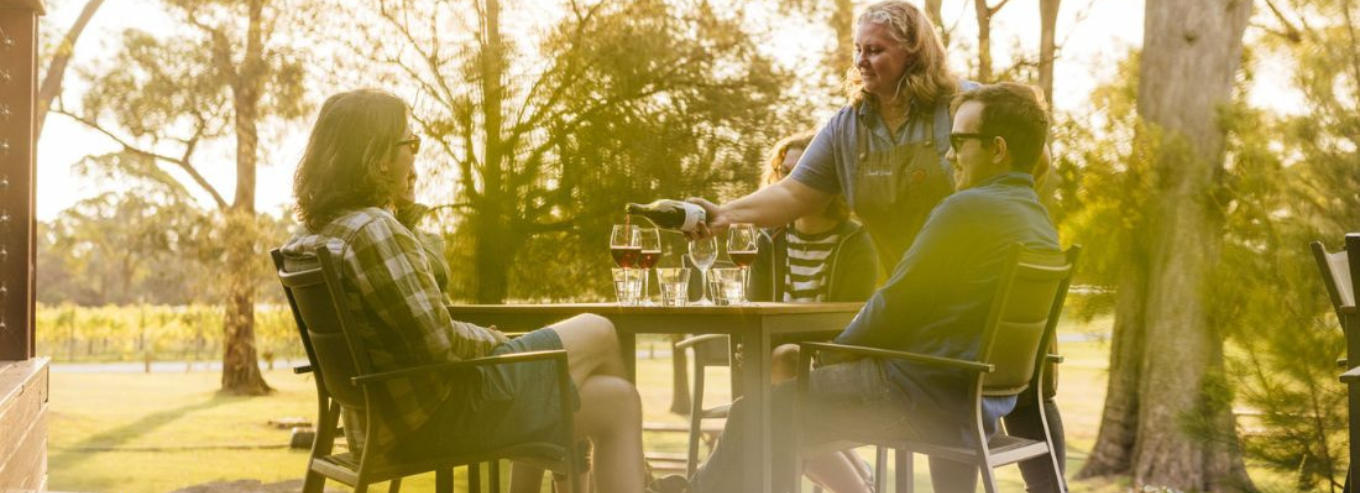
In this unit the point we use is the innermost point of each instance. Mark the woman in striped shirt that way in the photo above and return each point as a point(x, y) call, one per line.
point(819, 257)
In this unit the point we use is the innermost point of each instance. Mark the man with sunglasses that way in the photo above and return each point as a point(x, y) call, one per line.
point(937, 298)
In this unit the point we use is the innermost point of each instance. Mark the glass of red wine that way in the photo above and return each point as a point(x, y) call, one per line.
point(624, 246)
point(742, 241)
point(649, 244)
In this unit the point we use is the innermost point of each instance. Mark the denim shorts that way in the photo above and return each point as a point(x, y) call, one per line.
point(499, 405)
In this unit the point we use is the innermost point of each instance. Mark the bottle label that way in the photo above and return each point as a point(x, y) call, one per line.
point(694, 215)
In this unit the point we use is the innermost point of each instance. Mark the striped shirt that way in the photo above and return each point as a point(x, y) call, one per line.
point(806, 278)
point(399, 315)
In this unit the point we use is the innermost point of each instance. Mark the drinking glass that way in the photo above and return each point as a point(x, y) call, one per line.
point(742, 241)
point(627, 285)
point(649, 243)
point(702, 253)
point(727, 286)
point(674, 285)
point(624, 246)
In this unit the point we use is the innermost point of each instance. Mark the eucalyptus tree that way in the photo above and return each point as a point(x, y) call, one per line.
point(226, 68)
point(1168, 418)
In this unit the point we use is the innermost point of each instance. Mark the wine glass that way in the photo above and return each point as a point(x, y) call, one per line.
point(623, 245)
point(742, 240)
point(649, 244)
point(702, 253)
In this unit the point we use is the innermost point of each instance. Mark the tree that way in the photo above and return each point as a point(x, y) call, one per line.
point(1166, 347)
point(52, 78)
point(984, 19)
point(540, 141)
point(226, 71)
point(1048, 45)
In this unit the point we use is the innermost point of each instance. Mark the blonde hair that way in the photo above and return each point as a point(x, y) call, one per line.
point(926, 77)
point(837, 209)
point(772, 172)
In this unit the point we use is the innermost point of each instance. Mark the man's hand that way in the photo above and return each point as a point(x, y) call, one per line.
point(717, 222)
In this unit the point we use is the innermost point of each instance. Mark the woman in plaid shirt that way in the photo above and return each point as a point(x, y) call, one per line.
point(358, 164)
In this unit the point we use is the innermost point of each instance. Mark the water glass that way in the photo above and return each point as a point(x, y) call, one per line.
point(727, 286)
point(674, 285)
point(628, 285)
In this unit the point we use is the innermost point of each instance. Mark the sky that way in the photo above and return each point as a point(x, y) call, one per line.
point(1094, 33)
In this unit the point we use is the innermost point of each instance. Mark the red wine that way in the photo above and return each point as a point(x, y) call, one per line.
point(648, 259)
point(625, 256)
point(743, 259)
point(671, 214)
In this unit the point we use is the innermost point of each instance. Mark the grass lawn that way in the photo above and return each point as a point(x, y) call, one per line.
point(154, 433)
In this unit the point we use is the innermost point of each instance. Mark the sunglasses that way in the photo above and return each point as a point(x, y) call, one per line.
point(956, 140)
point(414, 142)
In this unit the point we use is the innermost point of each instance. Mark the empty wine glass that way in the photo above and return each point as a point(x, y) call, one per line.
point(702, 253)
point(649, 243)
point(742, 240)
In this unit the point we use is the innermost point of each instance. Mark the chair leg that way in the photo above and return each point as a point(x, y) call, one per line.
point(443, 480)
point(394, 486)
point(474, 477)
point(905, 476)
point(494, 475)
point(313, 483)
point(988, 478)
point(361, 488)
point(880, 469)
point(695, 419)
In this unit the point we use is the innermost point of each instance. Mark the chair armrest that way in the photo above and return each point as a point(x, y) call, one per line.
point(298, 370)
point(884, 353)
point(1056, 359)
point(696, 340)
point(462, 365)
point(1342, 363)
point(1351, 376)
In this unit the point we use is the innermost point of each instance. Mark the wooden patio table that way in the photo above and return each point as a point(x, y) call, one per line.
point(750, 328)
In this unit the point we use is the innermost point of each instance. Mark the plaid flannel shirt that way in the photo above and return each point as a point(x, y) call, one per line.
point(399, 315)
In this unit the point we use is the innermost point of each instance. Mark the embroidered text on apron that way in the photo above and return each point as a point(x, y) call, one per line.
point(896, 188)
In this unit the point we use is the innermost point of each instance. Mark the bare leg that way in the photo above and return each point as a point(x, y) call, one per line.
point(611, 410)
point(784, 363)
point(592, 347)
point(837, 472)
point(611, 415)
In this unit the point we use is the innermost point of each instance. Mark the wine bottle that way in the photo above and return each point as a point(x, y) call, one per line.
point(671, 214)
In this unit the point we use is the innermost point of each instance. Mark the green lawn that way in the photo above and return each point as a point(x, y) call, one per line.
point(153, 433)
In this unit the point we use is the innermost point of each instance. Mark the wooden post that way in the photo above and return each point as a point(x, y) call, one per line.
point(18, 91)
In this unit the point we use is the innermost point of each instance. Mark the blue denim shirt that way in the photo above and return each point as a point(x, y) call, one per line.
point(938, 297)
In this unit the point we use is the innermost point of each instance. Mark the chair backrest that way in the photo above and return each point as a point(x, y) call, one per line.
point(314, 293)
point(1338, 271)
point(1024, 315)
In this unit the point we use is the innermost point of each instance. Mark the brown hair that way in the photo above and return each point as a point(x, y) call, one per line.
point(342, 169)
point(1015, 112)
point(926, 77)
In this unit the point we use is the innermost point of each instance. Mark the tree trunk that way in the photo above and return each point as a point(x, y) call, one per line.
point(1113, 450)
point(494, 247)
point(240, 364)
point(933, 12)
point(1186, 436)
point(1048, 23)
point(56, 70)
point(984, 20)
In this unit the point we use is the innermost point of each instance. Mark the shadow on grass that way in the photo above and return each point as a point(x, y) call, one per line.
point(108, 441)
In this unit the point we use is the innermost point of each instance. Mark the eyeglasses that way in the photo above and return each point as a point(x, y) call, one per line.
point(414, 142)
point(956, 140)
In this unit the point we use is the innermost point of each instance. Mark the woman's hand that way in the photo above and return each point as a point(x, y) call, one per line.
point(716, 222)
